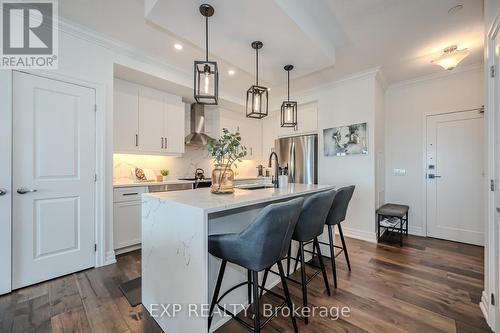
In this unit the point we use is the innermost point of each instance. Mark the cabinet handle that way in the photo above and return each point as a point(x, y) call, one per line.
point(251, 151)
point(137, 140)
point(125, 194)
point(161, 143)
point(166, 143)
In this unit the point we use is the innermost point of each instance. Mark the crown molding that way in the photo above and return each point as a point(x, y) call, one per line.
point(183, 76)
point(112, 44)
point(435, 76)
point(370, 73)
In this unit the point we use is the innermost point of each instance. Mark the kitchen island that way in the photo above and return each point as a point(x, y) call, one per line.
point(178, 273)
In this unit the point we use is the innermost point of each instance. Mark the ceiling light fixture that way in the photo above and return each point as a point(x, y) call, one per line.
point(455, 9)
point(288, 108)
point(257, 104)
point(206, 74)
point(178, 46)
point(451, 57)
point(231, 72)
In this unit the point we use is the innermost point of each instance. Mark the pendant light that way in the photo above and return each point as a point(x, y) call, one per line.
point(288, 108)
point(206, 74)
point(257, 96)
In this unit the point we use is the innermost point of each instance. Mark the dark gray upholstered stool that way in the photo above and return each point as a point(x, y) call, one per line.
point(309, 227)
point(261, 245)
point(393, 210)
point(336, 216)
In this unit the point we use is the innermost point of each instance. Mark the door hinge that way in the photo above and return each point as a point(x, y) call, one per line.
point(492, 185)
point(95, 247)
point(492, 299)
point(492, 71)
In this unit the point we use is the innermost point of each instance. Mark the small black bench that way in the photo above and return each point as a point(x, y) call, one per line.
point(390, 212)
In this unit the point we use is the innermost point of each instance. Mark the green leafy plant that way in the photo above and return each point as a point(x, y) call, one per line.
point(164, 172)
point(226, 151)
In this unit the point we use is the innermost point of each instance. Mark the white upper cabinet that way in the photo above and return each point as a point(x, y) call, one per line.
point(250, 130)
point(147, 120)
point(126, 116)
point(270, 126)
point(174, 123)
point(151, 115)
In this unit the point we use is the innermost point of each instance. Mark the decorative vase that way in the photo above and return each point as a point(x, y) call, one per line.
point(165, 178)
point(159, 178)
point(222, 180)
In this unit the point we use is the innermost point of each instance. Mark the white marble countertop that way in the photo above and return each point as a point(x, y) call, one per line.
point(211, 203)
point(131, 183)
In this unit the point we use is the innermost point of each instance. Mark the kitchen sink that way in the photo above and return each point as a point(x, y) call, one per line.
point(254, 186)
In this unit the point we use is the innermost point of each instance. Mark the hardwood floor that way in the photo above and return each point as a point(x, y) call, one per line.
point(427, 286)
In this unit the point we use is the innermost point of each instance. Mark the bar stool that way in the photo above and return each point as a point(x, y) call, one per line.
point(261, 245)
point(335, 217)
point(309, 227)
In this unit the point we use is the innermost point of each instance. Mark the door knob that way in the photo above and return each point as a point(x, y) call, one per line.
point(2, 192)
point(23, 190)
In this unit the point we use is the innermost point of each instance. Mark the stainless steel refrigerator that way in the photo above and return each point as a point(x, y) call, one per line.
point(300, 154)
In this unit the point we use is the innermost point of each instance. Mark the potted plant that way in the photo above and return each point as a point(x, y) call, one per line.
point(225, 151)
point(164, 173)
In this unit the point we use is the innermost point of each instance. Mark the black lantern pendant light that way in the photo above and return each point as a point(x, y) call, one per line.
point(288, 108)
point(257, 96)
point(206, 74)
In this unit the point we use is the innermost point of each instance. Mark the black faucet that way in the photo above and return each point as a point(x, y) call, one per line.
point(276, 168)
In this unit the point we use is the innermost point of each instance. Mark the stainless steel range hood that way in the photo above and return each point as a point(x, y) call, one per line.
point(197, 137)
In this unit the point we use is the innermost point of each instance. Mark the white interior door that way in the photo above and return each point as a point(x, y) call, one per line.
point(53, 176)
point(455, 177)
point(5, 180)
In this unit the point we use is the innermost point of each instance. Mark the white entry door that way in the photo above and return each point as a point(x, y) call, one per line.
point(53, 179)
point(455, 177)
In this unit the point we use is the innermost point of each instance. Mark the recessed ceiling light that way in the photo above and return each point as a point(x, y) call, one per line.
point(231, 72)
point(455, 9)
point(178, 46)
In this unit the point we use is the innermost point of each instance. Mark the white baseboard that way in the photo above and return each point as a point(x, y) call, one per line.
point(417, 231)
point(360, 234)
point(110, 258)
point(127, 249)
point(484, 305)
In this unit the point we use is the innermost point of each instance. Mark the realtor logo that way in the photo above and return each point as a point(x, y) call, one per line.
point(29, 34)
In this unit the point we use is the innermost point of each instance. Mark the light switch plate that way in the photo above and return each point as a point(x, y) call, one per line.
point(399, 172)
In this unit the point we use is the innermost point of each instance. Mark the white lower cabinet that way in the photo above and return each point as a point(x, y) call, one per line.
point(127, 213)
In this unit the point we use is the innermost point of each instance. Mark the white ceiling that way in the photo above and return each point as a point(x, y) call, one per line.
point(325, 39)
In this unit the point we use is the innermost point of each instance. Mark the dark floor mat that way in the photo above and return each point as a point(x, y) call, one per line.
point(132, 291)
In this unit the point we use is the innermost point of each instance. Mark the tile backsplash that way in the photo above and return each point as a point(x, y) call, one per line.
point(180, 167)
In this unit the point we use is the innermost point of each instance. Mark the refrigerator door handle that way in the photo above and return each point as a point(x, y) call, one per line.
point(291, 170)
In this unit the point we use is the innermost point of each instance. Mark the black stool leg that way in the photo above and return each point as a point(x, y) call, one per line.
point(297, 260)
point(264, 280)
point(304, 280)
point(249, 278)
point(322, 265)
point(256, 308)
point(401, 232)
point(344, 247)
point(406, 224)
point(216, 292)
point(287, 296)
point(288, 260)
point(332, 255)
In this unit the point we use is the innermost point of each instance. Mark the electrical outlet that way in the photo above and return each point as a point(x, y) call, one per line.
point(399, 172)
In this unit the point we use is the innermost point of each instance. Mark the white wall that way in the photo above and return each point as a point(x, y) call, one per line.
point(407, 104)
point(348, 102)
